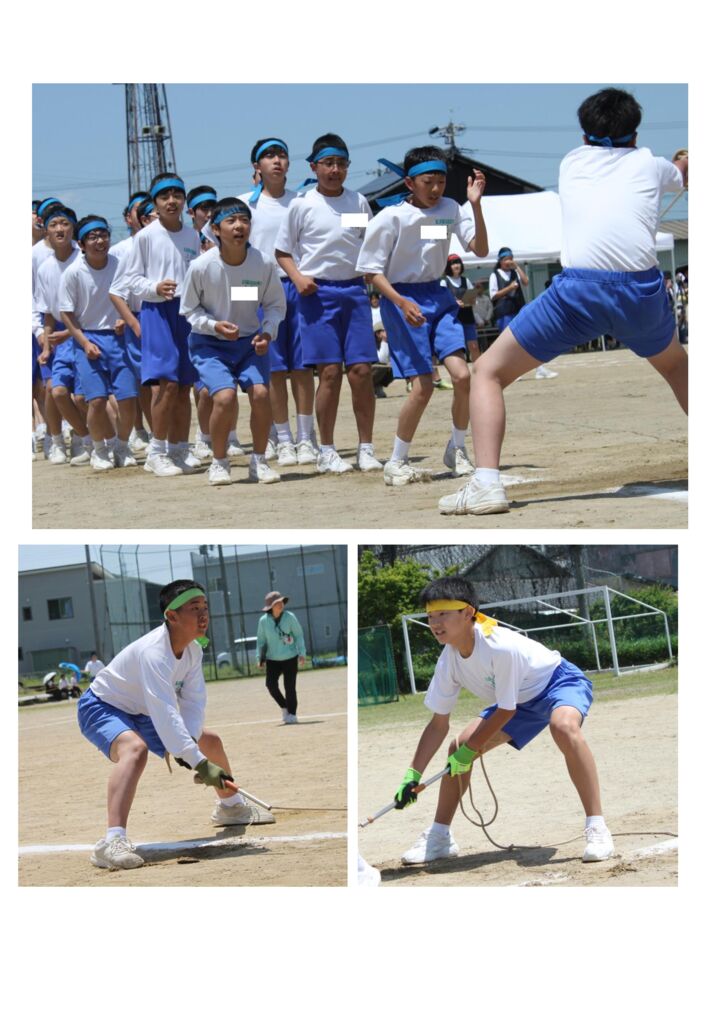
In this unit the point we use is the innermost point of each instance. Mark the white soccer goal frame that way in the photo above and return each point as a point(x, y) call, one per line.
point(544, 600)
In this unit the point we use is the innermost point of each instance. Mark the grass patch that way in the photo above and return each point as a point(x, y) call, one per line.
point(409, 709)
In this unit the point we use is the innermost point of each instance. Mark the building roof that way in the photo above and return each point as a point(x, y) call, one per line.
point(678, 228)
point(97, 570)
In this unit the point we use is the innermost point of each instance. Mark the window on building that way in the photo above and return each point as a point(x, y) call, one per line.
point(60, 608)
point(27, 614)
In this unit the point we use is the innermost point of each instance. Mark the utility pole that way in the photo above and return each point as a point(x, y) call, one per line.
point(148, 135)
point(448, 132)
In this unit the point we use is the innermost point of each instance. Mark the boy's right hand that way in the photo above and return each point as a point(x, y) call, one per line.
point(211, 774)
point(412, 313)
point(166, 289)
point(407, 790)
point(92, 351)
point(305, 285)
point(226, 330)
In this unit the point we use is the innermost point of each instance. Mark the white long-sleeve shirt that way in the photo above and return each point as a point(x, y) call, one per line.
point(147, 678)
point(157, 255)
point(206, 294)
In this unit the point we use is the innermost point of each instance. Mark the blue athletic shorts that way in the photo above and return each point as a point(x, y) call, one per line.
point(582, 304)
point(101, 723)
point(470, 332)
point(224, 364)
point(502, 322)
point(568, 687)
point(65, 373)
point(133, 351)
point(286, 351)
point(36, 353)
point(110, 373)
point(412, 348)
point(336, 324)
point(165, 347)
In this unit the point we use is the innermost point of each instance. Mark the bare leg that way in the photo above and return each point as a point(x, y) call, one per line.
point(51, 412)
point(359, 376)
point(260, 420)
point(460, 377)
point(327, 399)
point(303, 391)
point(99, 425)
point(69, 410)
point(565, 726)
point(673, 365)
point(503, 363)
point(204, 405)
point(180, 419)
point(279, 396)
point(452, 789)
point(126, 413)
point(224, 411)
point(414, 406)
point(129, 754)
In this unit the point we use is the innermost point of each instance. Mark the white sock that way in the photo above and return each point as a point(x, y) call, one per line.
point(231, 801)
point(305, 426)
point(58, 439)
point(284, 433)
point(595, 820)
point(115, 833)
point(487, 476)
point(400, 450)
point(156, 447)
point(98, 446)
point(220, 462)
point(258, 457)
point(458, 437)
point(87, 441)
point(367, 446)
point(204, 438)
point(439, 830)
point(232, 438)
point(326, 448)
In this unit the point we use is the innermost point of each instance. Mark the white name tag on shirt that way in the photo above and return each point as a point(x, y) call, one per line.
point(244, 294)
point(355, 220)
point(433, 231)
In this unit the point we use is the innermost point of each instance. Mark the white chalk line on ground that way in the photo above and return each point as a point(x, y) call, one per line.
point(215, 725)
point(558, 877)
point(650, 491)
point(189, 844)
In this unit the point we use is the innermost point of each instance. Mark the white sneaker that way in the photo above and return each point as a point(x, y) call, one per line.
point(102, 460)
point(271, 450)
point(122, 457)
point(429, 846)
point(543, 373)
point(160, 464)
point(366, 461)
point(39, 435)
point(399, 472)
point(332, 462)
point(185, 460)
point(366, 874)
point(116, 855)
point(261, 473)
point(57, 455)
point(233, 448)
point(599, 844)
point(306, 454)
point(219, 474)
point(472, 499)
point(286, 453)
point(202, 451)
point(457, 460)
point(84, 456)
point(291, 719)
point(137, 442)
point(241, 814)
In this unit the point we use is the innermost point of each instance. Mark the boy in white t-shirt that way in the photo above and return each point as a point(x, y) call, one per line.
point(404, 256)
point(610, 197)
point(317, 247)
point(152, 696)
point(525, 688)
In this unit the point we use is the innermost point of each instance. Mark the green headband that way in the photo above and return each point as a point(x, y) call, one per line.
point(182, 599)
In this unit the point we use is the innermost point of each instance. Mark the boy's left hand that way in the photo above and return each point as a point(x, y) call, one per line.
point(260, 343)
point(476, 186)
point(461, 760)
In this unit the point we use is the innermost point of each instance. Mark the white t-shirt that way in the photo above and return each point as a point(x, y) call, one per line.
point(40, 252)
point(610, 201)
point(122, 251)
point(84, 291)
point(206, 295)
point(493, 281)
point(313, 234)
point(157, 255)
point(267, 216)
point(394, 245)
point(147, 678)
point(94, 667)
point(505, 668)
point(47, 285)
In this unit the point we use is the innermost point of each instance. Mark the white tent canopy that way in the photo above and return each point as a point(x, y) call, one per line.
point(530, 225)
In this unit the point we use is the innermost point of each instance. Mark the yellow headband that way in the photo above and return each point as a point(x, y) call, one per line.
point(487, 623)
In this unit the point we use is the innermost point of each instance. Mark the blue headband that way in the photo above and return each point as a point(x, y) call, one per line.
point(171, 182)
point(61, 212)
point(232, 211)
point(46, 203)
point(268, 145)
point(91, 226)
point(202, 197)
point(608, 142)
point(146, 207)
point(438, 166)
point(327, 151)
point(504, 252)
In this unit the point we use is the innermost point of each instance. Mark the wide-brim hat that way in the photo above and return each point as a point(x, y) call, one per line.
point(271, 599)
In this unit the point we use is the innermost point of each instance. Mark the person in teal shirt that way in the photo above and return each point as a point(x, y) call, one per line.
point(280, 648)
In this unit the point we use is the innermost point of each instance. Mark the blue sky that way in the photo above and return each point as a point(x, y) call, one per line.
point(523, 129)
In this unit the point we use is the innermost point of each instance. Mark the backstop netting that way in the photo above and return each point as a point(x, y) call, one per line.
point(377, 677)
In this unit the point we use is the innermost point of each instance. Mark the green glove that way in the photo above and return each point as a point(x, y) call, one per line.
point(404, 794)
point(211, 774)
point(461, 760)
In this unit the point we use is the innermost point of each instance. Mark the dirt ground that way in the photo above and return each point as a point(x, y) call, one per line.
point(63, 787)
point(583, 450)
point(635, 746)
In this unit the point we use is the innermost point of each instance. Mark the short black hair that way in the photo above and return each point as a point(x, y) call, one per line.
point(86, 220)
point(449, 588)
point(146, 208)
point(260, 142)
point(198, 191)
point(611, 114)
point(421, 154)
point(172, 590)
point(329, 139)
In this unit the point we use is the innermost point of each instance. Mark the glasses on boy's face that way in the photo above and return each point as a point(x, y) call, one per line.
point(334, 161)
point(96, 236)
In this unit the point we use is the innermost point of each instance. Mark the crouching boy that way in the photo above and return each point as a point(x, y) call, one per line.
point(152, 696)
point(524, 688)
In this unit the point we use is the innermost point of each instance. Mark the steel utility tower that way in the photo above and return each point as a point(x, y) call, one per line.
point(148, 135)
